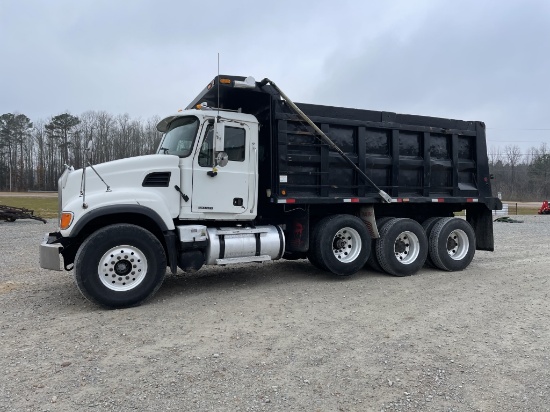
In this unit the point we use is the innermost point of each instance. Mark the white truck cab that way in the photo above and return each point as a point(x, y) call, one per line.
point(214, 187)
point(122, 222)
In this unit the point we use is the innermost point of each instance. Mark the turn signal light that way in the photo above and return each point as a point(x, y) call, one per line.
point(66, 220)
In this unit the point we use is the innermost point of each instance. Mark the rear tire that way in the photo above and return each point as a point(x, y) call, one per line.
point(340, 244)
point(402, 247)
point(119, 266)
point(312, 256)
point(372, 262)
point(452, 244)
point(428, 226)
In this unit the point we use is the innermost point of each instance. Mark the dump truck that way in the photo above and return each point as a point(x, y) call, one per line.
point(244, 174)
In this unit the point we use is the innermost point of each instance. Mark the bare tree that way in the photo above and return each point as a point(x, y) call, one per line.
point(495, 155)
point(513, 157)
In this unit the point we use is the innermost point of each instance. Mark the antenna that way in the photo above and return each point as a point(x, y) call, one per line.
point(218, 83)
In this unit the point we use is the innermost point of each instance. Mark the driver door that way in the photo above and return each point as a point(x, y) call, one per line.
point(224, 190)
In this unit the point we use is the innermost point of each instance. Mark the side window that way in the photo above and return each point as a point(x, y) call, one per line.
point(234, 143)
point(205, 154)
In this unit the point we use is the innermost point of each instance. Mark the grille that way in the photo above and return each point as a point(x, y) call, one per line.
point(157, 179)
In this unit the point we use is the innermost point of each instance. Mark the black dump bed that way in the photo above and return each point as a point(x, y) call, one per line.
point(415, 159)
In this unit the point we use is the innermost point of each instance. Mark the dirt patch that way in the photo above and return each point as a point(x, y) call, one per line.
point(8, 287)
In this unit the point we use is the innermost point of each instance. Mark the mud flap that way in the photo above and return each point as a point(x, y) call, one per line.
point(172, 257)
point(297, 231)
point(481, 220)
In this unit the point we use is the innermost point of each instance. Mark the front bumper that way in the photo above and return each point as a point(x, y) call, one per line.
point(50, 257)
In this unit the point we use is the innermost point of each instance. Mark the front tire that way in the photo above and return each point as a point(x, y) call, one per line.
point(341, 244)
point(120, 266)
point(402, 247)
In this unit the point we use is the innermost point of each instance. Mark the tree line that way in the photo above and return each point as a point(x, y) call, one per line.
point(521, 176)
point(33, 154)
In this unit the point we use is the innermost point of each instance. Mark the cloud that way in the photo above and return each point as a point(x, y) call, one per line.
point(470, 60)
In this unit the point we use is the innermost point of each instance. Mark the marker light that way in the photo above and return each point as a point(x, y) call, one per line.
point(66, 220)
point(248, 83)
point(225, 81)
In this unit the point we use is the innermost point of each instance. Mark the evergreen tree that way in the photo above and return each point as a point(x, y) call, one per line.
point(60, 128)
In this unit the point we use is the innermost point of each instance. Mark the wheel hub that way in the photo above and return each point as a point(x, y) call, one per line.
point(122, 268)
point(451, 244)
point(457, 244)
point(406, 247)
point(401, 246)
point(346, 244)
point(340, 243)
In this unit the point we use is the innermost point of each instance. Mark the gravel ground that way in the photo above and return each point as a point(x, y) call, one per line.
point(282, 336)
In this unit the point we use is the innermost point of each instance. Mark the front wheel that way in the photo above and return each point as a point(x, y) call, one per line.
point(340, 244)
point(119, 266)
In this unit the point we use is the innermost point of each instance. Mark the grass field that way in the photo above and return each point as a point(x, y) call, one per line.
point(522, 210)
point(45, 207)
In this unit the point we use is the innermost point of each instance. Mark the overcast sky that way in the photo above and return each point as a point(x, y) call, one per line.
point(471, 60)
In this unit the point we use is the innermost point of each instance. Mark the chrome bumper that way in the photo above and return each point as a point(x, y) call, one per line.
point(49, 254)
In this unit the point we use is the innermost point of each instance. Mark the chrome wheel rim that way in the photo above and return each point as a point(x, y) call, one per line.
point(457, 244)
point(406, 247)
point(346, 245)
point(122, 268)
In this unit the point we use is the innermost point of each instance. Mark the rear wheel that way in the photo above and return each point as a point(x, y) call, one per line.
point(402, 247)
point(428, 226)
point(452, 244)
point(313, 260)
point(312, 254)
point(372, 262)
point(340, 244)
point(120, 266)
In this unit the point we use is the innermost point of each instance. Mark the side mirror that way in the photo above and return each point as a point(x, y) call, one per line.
point(219, 134)
point(221, 159)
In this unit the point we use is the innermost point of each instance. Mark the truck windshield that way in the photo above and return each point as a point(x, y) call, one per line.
point(179, 138)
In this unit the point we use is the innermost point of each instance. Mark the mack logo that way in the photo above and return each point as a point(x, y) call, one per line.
point(206, 207)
